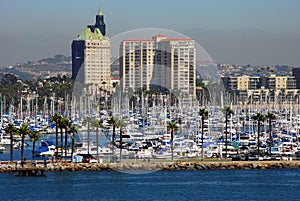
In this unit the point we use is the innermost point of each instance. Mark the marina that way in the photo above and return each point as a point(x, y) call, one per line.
point(145, 132)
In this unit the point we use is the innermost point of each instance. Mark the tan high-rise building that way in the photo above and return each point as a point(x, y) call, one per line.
point(97, 61)
point(91, 55)
point(164, 62)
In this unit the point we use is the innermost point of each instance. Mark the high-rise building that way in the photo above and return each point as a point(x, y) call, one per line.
point(136, 64)
point(164, 62)
point(91, 54)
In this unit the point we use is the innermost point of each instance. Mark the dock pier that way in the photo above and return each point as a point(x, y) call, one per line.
point(31, 169)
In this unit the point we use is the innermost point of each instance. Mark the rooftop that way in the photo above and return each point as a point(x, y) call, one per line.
point(87, 34)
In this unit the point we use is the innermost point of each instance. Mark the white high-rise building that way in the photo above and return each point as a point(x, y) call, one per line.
point(164, 62)
point(136, 64)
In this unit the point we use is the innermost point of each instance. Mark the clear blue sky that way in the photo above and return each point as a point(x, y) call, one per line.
point(232, 31)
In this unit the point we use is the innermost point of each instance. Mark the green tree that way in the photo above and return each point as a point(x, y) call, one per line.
point(11, 130)
point(72, 130)
point(88, 120)
point(113, 121)
point(34, 137)
point(121, 124)
point(65, 125)
point(97, 124)
point(57, 122)
point(204, 115)
point(270, 116)
point(172, 126)
point(259, 118)
point(228, 112)
point(23, 131)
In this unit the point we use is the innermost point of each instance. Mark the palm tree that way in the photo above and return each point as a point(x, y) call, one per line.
point(62, 125)
point(11, 130)
point(87, 120)
point(259, 118)
point(204, 115)
point(34, 137)
point(97, 124)
point(114, 123)
point(65, 125)
point(228, 112)
point(172, 126)
point(121, 124)
point(270, 116)
point(23, 131)
point(57, 121)
point(73, 130)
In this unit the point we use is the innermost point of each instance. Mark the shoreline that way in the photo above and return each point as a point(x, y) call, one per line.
point(7, 167)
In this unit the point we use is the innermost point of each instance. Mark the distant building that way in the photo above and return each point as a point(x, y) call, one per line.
point(91, 54)
point(169, 63)
point(296, 74)
point(254, 88)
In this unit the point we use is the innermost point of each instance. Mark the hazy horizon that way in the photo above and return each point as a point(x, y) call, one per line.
point(237, 32)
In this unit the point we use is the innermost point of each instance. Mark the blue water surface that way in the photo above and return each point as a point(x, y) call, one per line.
point(272, 184)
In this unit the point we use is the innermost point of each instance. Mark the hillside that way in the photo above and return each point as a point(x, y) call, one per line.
point(44, 68)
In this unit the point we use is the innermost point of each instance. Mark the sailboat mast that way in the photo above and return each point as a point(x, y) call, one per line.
point(21, 107)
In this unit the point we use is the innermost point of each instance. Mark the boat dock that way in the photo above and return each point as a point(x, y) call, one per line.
point(31, 171)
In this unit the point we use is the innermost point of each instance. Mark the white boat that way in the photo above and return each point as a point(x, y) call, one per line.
point(163, 155)
point(92, 149)
point(46, 148)
point(2, 149)
point(5, 140)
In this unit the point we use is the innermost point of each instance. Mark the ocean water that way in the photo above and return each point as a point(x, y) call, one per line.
point(272, 184)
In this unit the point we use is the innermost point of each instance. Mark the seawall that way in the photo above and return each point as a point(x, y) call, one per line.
point(167, 166)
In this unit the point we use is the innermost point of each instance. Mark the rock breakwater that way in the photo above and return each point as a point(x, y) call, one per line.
point(167, 166)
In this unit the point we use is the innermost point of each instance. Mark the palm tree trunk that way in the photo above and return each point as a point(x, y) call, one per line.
point(22, 150)
point(56, 141)
point(172, 144)
point(61, 141)
point(97, 140)
point(226, 135)
point(66, 143)
point(11, 148)
point(88, 137)
point(72, 151)
point(258, 128)
point(202, 124)
point(121, 142)
point(33, 149)
point(113, 142)
point(270, 136)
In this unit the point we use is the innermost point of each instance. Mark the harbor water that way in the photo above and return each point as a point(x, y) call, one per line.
point(82, 137)
point(272, 184)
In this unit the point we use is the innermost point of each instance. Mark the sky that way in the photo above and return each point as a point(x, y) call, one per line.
point(258, 32)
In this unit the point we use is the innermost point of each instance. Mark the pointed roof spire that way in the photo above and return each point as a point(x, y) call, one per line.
point(99, 11)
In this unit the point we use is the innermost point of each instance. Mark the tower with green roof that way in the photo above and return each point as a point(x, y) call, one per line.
point(99, 23)
point(91, 54)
